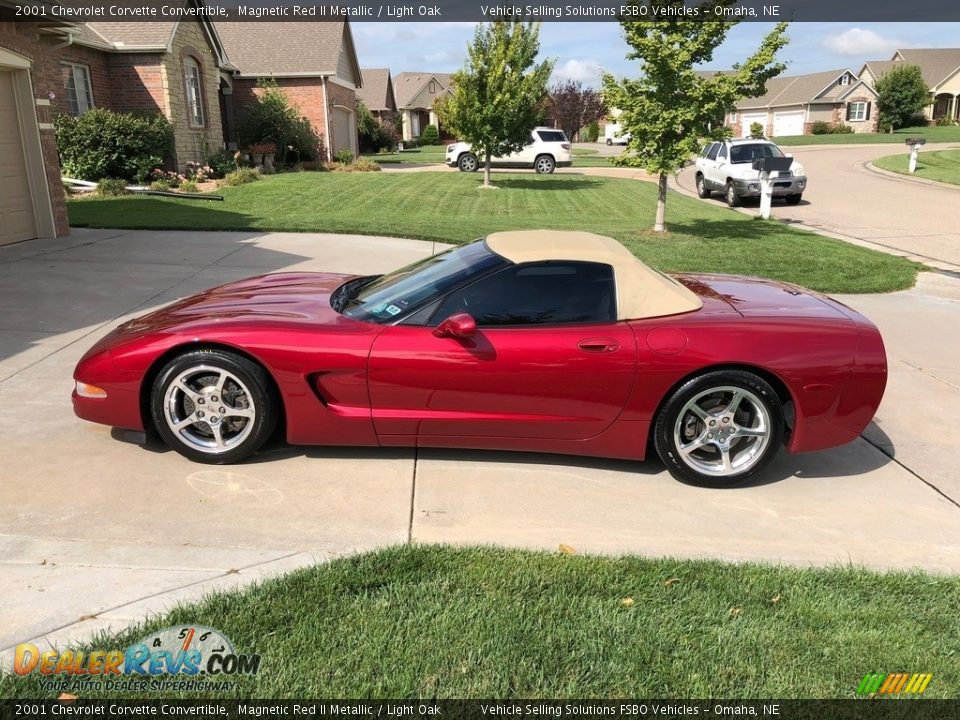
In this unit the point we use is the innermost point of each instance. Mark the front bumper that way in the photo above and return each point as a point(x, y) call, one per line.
point(781, 186)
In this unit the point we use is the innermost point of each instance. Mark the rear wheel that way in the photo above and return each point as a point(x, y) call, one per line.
point(731, 196)
point(214, 406)
point(468, 163)
point(719, 429)
point(794, 199)
point(702, 190)
point(544, 165)
point(609, 141)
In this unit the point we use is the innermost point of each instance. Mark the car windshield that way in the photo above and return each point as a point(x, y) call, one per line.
point(754, 151)
point(387, 297)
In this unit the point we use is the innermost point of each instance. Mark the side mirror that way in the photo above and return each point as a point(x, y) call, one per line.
point(458, 325)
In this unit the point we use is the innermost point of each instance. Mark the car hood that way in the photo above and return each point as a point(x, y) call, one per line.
point(265, 299)
point(760, 297)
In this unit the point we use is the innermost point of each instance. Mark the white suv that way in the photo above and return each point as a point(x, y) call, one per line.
point(548, 149)
point(728, 167)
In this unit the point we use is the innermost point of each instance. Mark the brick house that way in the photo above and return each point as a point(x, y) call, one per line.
point(315, 63)
point(416, 94)
point(940, 68)
point(792, 104)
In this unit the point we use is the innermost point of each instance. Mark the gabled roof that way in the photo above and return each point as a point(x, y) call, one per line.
point(801, 90)
point(410, 86)
point(289, 49)
point(377, 91)
point(936, 64)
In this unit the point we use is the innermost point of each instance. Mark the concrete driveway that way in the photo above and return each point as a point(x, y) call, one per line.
point(96, 531)
point(849, 200)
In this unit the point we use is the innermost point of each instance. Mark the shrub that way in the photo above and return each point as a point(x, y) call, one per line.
point(173, 179)
point(198, 173)
point(314, 166)
point(917, 120)
point(189, 186)
point(104, 144)
point(111, 187)
point(365, 165)
point(821, 127)
point(430, 135)
point(593, 132)
point(944, 121)
point(221, 163)
point(841, 129)
point(273, 120)
point(756, 130)
point(344, 156)
point(241, 176)
point(161, 185)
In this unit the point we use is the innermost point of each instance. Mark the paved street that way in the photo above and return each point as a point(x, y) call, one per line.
point(846, 198)
point(96, 530)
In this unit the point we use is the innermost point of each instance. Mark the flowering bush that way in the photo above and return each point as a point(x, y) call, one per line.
point(171, 178)
point(199, 173)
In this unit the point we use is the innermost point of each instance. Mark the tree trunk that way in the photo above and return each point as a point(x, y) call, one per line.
point(486, 170)
point(658, 225)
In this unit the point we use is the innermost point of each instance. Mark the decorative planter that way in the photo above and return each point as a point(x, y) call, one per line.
point(257, 158)
point(268, 162)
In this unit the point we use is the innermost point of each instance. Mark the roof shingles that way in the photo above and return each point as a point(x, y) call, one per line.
point(264, 49)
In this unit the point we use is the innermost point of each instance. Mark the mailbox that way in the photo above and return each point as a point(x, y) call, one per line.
point(916, 141)
point(773, 164)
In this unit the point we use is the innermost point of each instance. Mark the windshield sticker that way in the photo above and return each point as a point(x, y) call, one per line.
point(393, 310)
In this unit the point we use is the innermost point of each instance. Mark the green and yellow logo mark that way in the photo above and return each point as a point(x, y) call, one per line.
point(894, 683)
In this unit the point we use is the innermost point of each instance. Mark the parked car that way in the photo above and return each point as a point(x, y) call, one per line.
point(727, 167)
point(613, 134)
point(549, 149)
point(537, 340)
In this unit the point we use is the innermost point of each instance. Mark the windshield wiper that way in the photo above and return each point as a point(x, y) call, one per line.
point(348, 292)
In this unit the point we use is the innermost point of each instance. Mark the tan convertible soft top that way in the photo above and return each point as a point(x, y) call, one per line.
point(641, 291)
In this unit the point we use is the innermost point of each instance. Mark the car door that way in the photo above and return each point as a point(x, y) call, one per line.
point(548, 360)
point(708, 163)
point(719, 177)
point(524, 156)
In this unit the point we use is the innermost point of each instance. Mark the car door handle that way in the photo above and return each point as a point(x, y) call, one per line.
point(599, 345)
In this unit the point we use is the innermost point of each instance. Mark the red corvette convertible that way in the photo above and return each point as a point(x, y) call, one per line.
point(542, 340)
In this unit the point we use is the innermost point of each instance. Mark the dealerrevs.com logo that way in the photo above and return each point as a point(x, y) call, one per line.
point(191, 657)
point(894, 684)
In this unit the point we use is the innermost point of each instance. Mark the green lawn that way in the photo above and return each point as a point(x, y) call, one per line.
point(439, 622)
point(427, 154)
point(932, 134)
point(941, 165)
point(449, 207)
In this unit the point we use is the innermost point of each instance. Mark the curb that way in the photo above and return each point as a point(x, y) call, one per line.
point(907, 178)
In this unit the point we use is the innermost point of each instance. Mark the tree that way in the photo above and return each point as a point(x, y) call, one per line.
point(671, 106)
point(499, 92)
point(901, 94)
point(573, 106)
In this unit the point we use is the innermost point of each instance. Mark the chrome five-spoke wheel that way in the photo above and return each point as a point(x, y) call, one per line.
point(720, 428)
point(214, 406)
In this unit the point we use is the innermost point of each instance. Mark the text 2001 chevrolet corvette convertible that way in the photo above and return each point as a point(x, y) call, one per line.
point(537, 340)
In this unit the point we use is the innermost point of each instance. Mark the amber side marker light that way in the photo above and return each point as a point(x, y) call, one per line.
point(90, 391)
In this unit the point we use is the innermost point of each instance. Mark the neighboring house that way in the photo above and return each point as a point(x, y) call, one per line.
point(315, 64)
point(416, 93)
point(940, 68)
point(792, 104)
point(377, 94)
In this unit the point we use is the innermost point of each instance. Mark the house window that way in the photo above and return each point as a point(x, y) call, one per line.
point(845, 79)
point(76, 82)
point(433, 87)
point(194, 86)
point(857, 111)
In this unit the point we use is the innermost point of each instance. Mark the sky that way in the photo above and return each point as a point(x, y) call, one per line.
point(583, 50)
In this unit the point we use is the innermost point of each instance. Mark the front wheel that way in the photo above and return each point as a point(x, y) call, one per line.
point(468, 163)
point(609, 142)
point(731, 196)
point(794, 199)
point(213, 406)
point(544, 165)
point(703, 192)
point(719, 429)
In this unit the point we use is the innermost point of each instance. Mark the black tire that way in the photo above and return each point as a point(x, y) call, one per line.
point(731, 196)
point(794, 199)
point(544, 165)
point(468, 163)
point(609, 141)
point(703, 192)
point(704, 466)
point(247, 388)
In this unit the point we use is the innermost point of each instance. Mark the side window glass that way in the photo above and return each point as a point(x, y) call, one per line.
point(537, 294)
point(712, 152)
point(722, 155)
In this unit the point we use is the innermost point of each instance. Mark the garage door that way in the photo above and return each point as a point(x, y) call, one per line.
point(748, 119)
point(788, 123)
point(342, 126)
point(16, 208)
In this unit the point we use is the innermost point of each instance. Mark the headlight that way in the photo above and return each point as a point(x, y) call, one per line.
point(798, 171)
point(450, 148)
